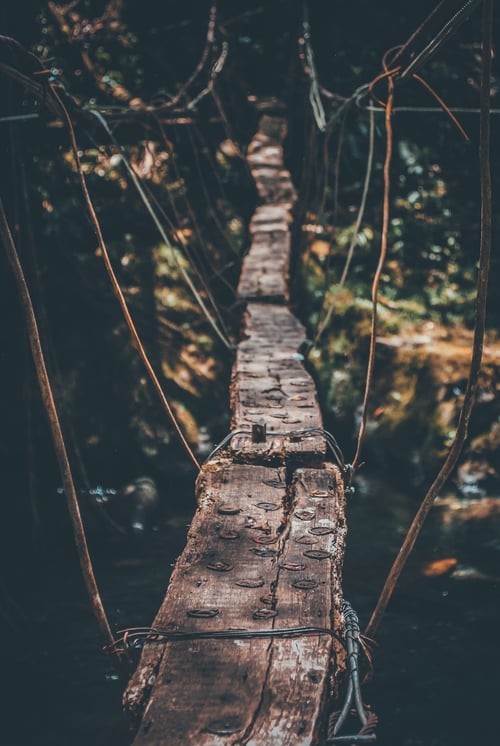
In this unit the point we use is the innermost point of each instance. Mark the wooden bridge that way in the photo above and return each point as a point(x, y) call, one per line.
point(265, 548)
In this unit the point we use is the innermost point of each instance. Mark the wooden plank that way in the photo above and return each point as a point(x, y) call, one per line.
point(274, 185)
point(264, 274)
point(270, 383)
point(260, 691)
point(297, 686)
point(262, 553)
point(232, 498)
point(270, 218)
point(266, 146)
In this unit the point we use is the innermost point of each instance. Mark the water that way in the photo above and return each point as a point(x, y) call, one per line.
point(435, 665)
point(434, 682)
point(62, 688)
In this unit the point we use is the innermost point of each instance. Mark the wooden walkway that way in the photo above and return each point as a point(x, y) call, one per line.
point(265, 548)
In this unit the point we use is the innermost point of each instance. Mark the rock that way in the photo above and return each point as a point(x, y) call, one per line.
point(138, 502)
point(476, 477)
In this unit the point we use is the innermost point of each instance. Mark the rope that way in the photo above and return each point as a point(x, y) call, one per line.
point(192, 217)
point(354, 240)
point(211, 209)
point(147, 202)
point(314, 94)
point(479, 328)
point(209, 43)
point(427, 109)
point(198, 270)
point(444, 107)
point(448, 29)
point(57, 435)
point(161, 231)
point(215, 71)
point(361, 211)
point(136, 637)
point(418, 31)
point(378, 271)
point(115, 284)
point(338, 156)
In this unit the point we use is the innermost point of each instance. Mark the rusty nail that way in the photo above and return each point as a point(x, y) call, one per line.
point(274, 483)
point(318, 554)
point(320, 530)
point(305, 585)
point(268, 599)
point(268, 507)
point(305, 515)
point(293, 566)
point(261, 552)
point(225, 726)
point(202, 613)
point(220, 566)
point(264, 539)
point(306, 540)
point(250, 582)
point(228, 509)
point(264, 614)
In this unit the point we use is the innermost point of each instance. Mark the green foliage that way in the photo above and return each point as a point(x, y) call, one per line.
point(123, 56)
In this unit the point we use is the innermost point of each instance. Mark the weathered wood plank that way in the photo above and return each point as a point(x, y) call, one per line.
point(270, 218)
point(266, 146)
point(297, 686)
point(247, 500)
point(262, 553)
point(273, 184)
point(270, 383)
point(257, 691)
point(264, 274)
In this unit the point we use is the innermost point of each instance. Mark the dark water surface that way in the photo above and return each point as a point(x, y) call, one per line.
point(436, 667)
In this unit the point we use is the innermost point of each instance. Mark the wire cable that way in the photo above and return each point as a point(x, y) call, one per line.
point(479, 329)
point(114, 281)
point(378, 271)
point(162, 232)
point(57, 435)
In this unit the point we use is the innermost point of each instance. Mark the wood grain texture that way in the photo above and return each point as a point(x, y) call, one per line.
point(297, 686)
point(264, 275)
point(221, 486)
point(270, 383)
point(273, 184)
point(266, 691)
point(265, 547)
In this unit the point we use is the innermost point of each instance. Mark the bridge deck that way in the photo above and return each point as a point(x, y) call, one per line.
point(265, 548)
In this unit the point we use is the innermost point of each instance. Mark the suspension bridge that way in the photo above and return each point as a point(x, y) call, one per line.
point(253, 640)
point(255, 598)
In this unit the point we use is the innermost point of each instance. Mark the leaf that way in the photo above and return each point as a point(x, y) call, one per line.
point(439, 567)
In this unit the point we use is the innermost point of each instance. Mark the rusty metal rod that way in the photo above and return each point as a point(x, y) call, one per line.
point(56, 430)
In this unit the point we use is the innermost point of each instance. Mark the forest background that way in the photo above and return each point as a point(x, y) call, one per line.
point(123, 56)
